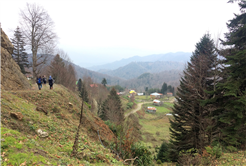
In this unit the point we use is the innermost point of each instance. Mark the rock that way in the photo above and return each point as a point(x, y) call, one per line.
point(70, 104)
point(2, 140)
point(31, 122)
point(11, 76)
point(42, 110)
point(42, 133)
point(16, 115)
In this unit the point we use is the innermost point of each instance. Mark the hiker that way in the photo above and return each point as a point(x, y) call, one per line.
point(44, 80)
point(39, 82)
point(51, 82)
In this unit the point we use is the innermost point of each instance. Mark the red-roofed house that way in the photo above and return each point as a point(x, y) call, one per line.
point(169, 94)
point(94, 85)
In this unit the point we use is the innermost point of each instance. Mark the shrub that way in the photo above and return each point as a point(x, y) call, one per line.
point(231, 148)
point(143, 154)
point(111, 126)
point(163, 153)
point(158, 162)
point(215, 151)
point(129, 105)
point(88, 105)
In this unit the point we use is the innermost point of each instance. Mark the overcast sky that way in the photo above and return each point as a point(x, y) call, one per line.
point(96, 32)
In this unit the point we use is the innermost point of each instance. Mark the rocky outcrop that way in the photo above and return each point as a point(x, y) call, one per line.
point(11, 76)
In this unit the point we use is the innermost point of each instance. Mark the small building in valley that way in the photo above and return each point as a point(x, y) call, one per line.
point(151, 109)
point(156, 95)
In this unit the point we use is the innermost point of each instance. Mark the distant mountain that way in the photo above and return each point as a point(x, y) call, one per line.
point(96, 77)
point(174, 57)
point(153, 80)
point(135, 69)
point(80, 71)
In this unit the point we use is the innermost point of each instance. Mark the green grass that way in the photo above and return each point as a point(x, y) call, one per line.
point(155, 126)
point(21, 143)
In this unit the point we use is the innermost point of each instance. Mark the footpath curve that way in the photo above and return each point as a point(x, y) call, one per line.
point(139, 105)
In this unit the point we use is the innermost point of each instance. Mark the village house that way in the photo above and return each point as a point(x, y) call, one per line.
point(94, 85)
point(140, 94)
point(157, 102)
point(169, 94)
point(156, 95)
point(151, 110)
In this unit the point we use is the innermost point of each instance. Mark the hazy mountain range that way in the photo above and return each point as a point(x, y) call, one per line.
point(174, 57)
point(131, 72)
point(135, 69)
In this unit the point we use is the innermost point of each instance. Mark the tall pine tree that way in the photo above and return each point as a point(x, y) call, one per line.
point(164, 88)
point(231, 93)
point(112, 108)
point(83, 92)
point(19, 54)
point(191, 117)
point(79, 85)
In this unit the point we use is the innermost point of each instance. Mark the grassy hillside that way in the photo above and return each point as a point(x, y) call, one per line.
point(20, 142)
point(155, 127)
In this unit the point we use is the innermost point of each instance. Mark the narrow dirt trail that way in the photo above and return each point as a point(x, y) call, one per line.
point(139, 105)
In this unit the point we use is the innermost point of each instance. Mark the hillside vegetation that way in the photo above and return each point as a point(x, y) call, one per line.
point(57, 113)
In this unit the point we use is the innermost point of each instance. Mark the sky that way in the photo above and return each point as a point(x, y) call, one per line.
point(97, 32)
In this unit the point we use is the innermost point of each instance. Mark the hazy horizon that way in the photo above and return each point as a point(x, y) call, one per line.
point(99, 32)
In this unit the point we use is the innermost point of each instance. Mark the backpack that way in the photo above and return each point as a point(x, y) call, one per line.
point(39, 81)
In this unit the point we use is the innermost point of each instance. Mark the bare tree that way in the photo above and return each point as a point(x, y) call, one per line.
point(38, 29)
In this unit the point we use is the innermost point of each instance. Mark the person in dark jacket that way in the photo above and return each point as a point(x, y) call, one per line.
point(44, 80)
point(39, 82)
point(51, 82)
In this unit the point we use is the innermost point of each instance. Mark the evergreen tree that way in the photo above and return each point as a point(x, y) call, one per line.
point(19, 54)
point(231, 94)
point(79, 85)
point(83, 94)
point(164, 88)
point(163, 153)
point(112, 108)
point(104, 82)
point(191, 117)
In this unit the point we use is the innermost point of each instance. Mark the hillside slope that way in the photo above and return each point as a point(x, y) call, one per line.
point(57, 113)
point(11, 76)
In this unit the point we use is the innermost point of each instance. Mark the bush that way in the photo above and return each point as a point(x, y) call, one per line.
point(158, 162)
point(143, 154)
point(231, 149)
point(129, 105)
point(88, 105)
point(163, 153)
point(215, 151)
point(111, 126)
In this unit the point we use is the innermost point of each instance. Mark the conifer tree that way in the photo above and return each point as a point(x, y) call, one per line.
point(83, 93)
point(112, 108)
point(191, 117)
point(164, 88)
point(231, 94)
point(19, 54)
point(79, 85)
point(104, 82)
